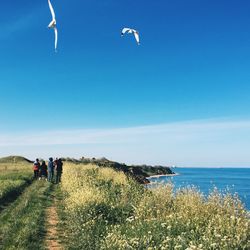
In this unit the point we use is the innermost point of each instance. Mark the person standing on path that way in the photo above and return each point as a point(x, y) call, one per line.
point(36, 167)
point(55, 162)
point(50, 169)
point(59, 168)
point(43, 171)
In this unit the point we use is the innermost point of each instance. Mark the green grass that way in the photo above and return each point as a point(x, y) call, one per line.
point(16, 175)
point(22, 223)
point(23, 167)
point(13, 180)
point(62, 215)
point(9, 189)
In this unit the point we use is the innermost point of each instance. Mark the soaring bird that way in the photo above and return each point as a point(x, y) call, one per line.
point(131, 31)
point(52, 24)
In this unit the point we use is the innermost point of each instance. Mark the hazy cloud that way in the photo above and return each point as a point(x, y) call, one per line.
point(191, 143)
point(185, 132)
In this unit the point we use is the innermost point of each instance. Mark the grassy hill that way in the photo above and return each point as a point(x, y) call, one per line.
point(14, 159)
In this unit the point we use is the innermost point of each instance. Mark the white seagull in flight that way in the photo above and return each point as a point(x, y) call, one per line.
point(131, 31)
point(52, 24)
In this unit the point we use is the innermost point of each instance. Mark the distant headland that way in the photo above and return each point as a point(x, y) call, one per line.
point(139, 172)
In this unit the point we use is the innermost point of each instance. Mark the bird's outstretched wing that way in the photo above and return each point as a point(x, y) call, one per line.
point(52, 10)
point(137, 37)
point(125, 30)
point(56, 38)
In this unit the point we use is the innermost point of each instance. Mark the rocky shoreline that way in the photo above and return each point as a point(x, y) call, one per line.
point(141, 173)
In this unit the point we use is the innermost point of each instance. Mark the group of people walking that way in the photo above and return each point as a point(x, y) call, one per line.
point(47, 172)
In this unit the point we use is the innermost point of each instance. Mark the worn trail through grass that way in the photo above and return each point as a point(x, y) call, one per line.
point(52, 237)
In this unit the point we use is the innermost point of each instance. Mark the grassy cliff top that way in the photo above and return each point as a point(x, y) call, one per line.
point(139, 172)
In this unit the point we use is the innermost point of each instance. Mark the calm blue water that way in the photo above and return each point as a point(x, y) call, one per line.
point(237, 180)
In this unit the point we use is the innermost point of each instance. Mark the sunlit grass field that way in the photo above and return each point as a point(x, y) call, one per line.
point(22, 206)
point(103, 209)
point(14, 177)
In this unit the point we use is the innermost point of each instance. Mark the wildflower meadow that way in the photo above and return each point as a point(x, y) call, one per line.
point(104, 209)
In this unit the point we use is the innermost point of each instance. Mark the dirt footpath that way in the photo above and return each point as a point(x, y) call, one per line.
point(52, 233)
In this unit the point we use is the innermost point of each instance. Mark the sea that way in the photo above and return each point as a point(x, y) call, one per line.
point(235, 180)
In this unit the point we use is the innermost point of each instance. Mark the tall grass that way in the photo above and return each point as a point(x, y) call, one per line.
point(22, 222)
point(103, 209)
point(10, 188)
point(13, 180)
point(15, 167)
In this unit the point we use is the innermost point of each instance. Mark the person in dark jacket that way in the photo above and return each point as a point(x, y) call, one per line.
point(50, 169)
point(59, 169)
point(43, 171)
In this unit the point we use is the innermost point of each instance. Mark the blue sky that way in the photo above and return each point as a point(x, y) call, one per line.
point(192, 65)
